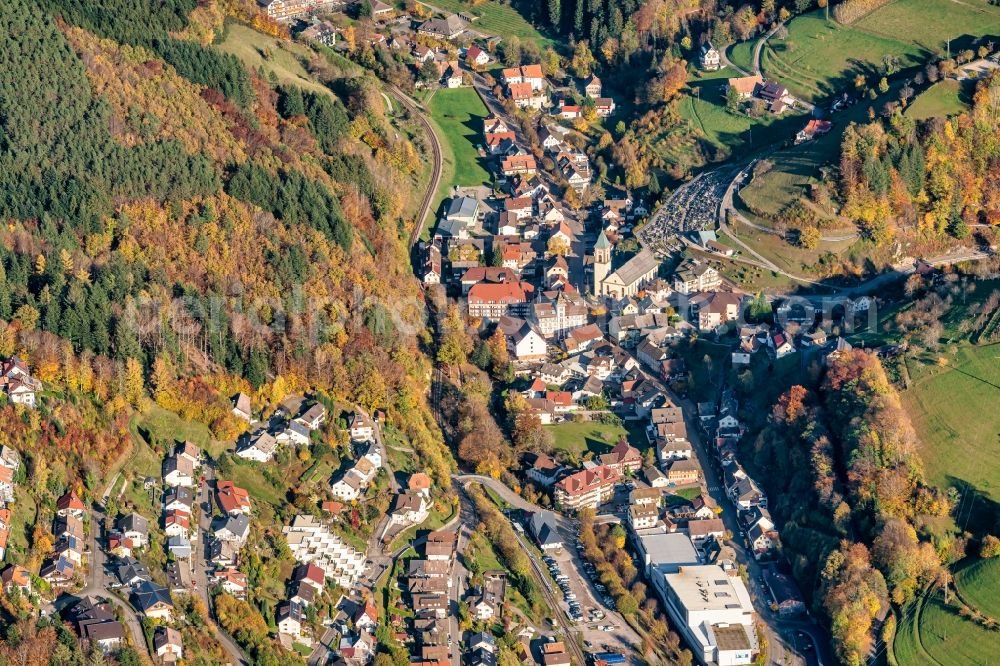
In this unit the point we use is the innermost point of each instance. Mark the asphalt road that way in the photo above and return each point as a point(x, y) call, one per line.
point(624, 635)
point(98, 582)
point(201, 566)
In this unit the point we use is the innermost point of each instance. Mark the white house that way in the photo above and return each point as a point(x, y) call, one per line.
point(178, 471)
point(362, 427)
point(260, 447)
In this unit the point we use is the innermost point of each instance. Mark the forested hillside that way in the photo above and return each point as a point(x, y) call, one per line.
point(163, 203)
point(847, 481)
point(938, 176)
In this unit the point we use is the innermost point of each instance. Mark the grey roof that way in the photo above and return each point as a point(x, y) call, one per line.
point(669, 550)
point(545, 528)
point(448, 227)
point(462, 207)
point(179, 494)
point(238, 524)
point(147, 594)
point(637, 266)
point(299, 428)
point(133, 522)
point(131, 569)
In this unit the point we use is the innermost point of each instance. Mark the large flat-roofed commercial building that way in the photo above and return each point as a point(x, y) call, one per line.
point(666, 553)
point(714, 612)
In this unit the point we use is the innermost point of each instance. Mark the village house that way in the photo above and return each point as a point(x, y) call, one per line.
point(242, 407)
point(70, 504)
point(711, 310)
point(409, 509)
point(524, 341)
point(178, 470)
point(153, 600)
point(492, 301)
point(16, 576)
point(449, 27)
point(709, 57)
point(623, 458)
point(643, 517)
point(260, 447)
point(683, 471)
point(813, 128)
point(592, 86)
point(95, 623)
point(321, 32)
point(440, 546)
point(746, 86)
point(518, 164)
point(693, 275)
point(545, 528)
point(530, 74)
point(232, 499)
point(604, 107)
point(231, 580)
point(700, 530)
point(525, 96)
point(588, 488)
point(477, 56)
point(168, 645)
point(313, 417)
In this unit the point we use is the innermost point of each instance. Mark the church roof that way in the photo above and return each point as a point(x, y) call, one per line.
point(602, 242)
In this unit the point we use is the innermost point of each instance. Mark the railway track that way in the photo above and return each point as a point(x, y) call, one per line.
point(406, 102)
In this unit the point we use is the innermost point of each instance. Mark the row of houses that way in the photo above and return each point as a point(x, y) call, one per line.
point(429, 590)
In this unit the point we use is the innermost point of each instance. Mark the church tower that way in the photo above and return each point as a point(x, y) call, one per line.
point(602, 263)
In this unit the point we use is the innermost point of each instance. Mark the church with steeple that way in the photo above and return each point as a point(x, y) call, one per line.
point(602, 262)
point(632, 276)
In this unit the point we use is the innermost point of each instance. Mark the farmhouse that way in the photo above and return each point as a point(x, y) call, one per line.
point(448, 27)
point(746, 86)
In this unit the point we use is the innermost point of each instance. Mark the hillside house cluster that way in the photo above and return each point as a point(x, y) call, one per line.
point(357, 478)
point(304, 590)
point(291, 424)
point(775, 96)
point(10, 466)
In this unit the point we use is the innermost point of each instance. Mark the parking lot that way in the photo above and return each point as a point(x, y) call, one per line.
point(585, 601)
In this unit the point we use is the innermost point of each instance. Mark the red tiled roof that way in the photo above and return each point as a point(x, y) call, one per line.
point(500, 292)
point(588, 479)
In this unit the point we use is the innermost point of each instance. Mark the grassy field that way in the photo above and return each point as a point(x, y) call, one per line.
point(790, 258)
point(732, 132)
point(741, 55)
point(498, 19)
point(944, 98)
point(458, 114)
point(168, 428)
point(583, 436)
point(929, 23)
point(797, 167)
point(934, 633)
point(258, 50)
point(978, 584)
point(953, 408)
point(820, 58)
